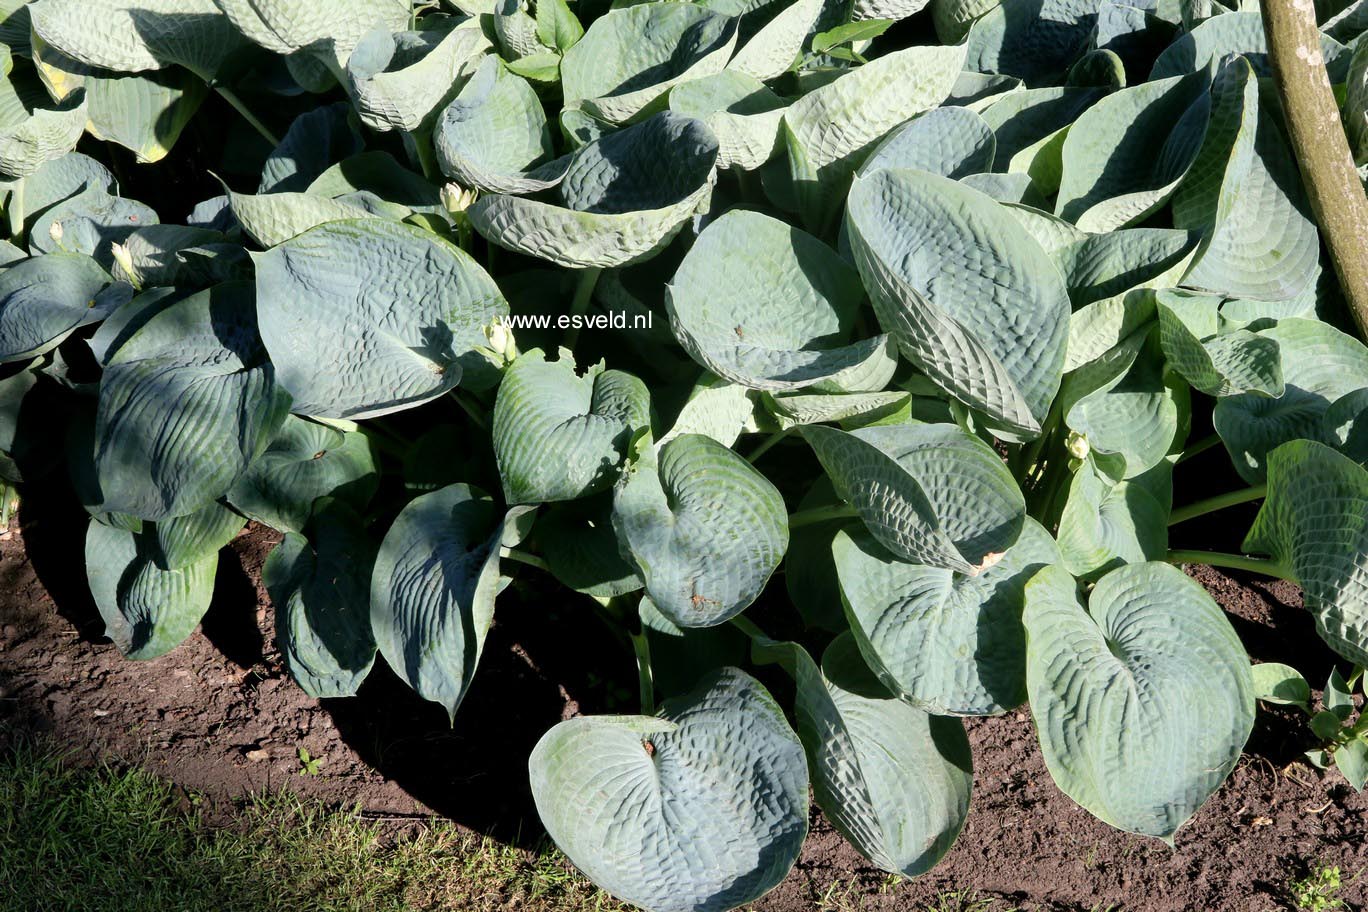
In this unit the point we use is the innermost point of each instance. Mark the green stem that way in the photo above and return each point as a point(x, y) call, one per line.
point(767, 444)
point(420, 142)
point(1220, 501)
point(1201, 446)
point(522, 557)
point(475, 413)
point(820, 514)
point(232, 98)
point(645, 678)
point(584, 293)
point(1231, 561)
point(1047, 430)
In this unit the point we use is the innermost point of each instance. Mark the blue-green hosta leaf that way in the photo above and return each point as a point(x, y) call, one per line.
point(829, 129)
point(147, 611)
point(44, 299)
point(1110, 180)
point(954, 18)
point(1345, 425)
point(766, 305)
point(368, 176)
point(399, 80)
point(1315, 523)
point(979, 91)
point(742, 112)
point(949, 141)
point(305, 461)
point(641, 804)
point(1124, 405)
point(773, 50)
point(579, 545)
point(559, 434)
point(630, 57)
point(315, 140)
point(1107, 523)
point(517, 32)
point(1230, 34)
point(1356, 104)
point(1320, 364)
point(1021, 120)
point(186, 404)
point(718, 409)
point(968, 294)
point(1098, 67)
point(317, 37)
point(90, 222)
point(130, 36)
point(800, 408)
point(894, 780)
point(1245, 195)
point(145, 113)
point(1051, 232)
point(494, 136)
point(622, 199)
point(34, 129)
point(1036, 40)
point(1218, 365)
point(274, 218)
point(1143, 700)
point(176, 543)
point(320, 587)
point(152, 256)
point(56, 181)
point(947, 642)
point(401, 309)
point(704, 529)
point(930, 493)
point(433, 587)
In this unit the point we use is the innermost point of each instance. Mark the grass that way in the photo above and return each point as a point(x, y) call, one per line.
point(123, 840)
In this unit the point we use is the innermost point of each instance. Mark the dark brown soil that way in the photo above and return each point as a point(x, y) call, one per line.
point(220, 717)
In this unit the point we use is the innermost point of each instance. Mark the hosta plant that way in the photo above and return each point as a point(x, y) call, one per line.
point(852, 348)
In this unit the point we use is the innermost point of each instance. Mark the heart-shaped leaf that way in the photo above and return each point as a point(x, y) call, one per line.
point(402, 308)
point(45, 299)
point(1143, 700)
point(704, 529)
point(400, 80)
point(558, 434)
point(947, 642)
point(640, 804)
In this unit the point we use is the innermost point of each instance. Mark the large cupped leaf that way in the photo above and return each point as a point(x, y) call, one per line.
point(319, 584)
point(186, 404)
point(579, 546)
point(930, 493)
point(1021, 120)
point(622, 198)
point(1245, 196)
point(400, 79)
point(34, 129)
point(741, 111)
point(176, 543)
point(1143, 700)
point(1218, 364)
point(433, 587)
point(306, 460)
point(1036, 40)
point(1315, 523)
point(494, 135)
point(830, 128)
point(704, 529)
point(950, 141)
point(947, 642)
point(630, 57)
point(147, 611)
point(1106, 523)
point(368, 317)
point(971, 298)
point(661, 811)
point(1235, 34)
point(316, 37)
point(766, 305)
point(44, 299)
point(1125, 155)
point(130, 36)
point(560, 434)
point(772, 50)
point(894, 780)
point(1319, 364)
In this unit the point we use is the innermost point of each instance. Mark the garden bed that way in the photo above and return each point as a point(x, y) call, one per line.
point(220, 718)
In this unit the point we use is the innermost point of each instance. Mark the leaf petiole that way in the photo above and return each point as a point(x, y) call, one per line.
point(1262, 565)
point(232, 98)
point(821, 514)
point(584, 293)
point(1219, 502)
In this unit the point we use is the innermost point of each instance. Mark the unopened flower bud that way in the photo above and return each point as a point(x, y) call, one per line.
point(1077, 445)
point(458, 199)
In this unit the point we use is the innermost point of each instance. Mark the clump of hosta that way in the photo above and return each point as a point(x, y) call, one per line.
point(696, 315)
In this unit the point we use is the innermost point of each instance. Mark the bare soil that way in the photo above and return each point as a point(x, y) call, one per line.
point(221, 718)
